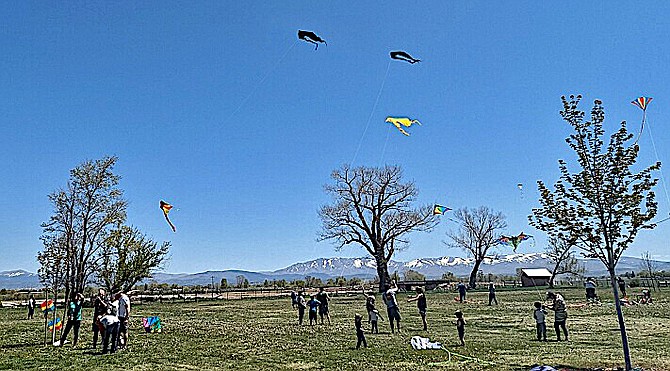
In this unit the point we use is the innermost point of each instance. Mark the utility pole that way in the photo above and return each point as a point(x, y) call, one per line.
point(212, 287)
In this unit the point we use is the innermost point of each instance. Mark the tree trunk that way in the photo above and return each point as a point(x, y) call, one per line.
point(473, 274)
point(622, 324)
point(553, 276)
point(382, 272)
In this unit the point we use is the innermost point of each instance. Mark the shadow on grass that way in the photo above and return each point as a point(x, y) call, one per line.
point(17, 346)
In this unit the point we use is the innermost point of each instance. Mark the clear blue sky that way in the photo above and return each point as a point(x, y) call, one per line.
point(163, 85)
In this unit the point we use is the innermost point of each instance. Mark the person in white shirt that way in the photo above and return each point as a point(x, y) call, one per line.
point(124, 318)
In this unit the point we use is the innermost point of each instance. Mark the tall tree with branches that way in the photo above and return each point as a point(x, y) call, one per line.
point(373, 207)
point(561, 254)
point(605, 203)
point(89, 206)
point(129, 256)
point(477, 233)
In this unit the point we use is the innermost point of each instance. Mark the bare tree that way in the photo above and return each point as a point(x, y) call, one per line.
point(89, 206)
point(476, 234)
point(129, 256)
point(650, 266)
point(603, 205)
point(372, 207)
point(560, 253)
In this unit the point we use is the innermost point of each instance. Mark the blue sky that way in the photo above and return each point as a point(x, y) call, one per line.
point(218, 109)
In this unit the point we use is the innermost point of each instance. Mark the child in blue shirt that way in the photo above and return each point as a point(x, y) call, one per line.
point(313, 305)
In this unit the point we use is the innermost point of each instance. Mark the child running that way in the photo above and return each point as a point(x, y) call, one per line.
point(360, 335)
point(460, 326)
point(420, 299)
point(539, 315)
point(313, 305)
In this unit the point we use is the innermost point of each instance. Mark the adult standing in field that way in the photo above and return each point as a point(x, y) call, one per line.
point(323, 299)
point(590, 288)
point(302, 304)
point(492, 293)
point(99, 310)
point(622, 286)
point(294, 299)
point(124, 318)
point(31, 306)
point(73, 319)
point(560, 314)
point(461, 291)
point(421, 303)
point(392, 308)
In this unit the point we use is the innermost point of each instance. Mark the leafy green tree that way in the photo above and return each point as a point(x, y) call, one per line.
point(372, 207)
point(90, 205)
point(448, 276)
point(560, 253)
point(224, 283)
point(477, 234)
point(412, 275)
point(603, 205)
point(128, 257)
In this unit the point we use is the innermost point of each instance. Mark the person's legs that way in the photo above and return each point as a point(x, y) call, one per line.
point(565, 330)
point(558, 332)
point(423, 319)
point(105, 339)
point(115, 336)
point(66, 331)
point(301, 314)
point(75, 337)
point(538, 330)
point(397, 317)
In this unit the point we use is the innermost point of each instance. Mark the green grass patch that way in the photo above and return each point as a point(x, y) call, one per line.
point(262, 334)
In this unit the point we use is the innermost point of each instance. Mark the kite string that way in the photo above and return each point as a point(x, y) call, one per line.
point(388, 135)
point(253, 91)
point(653, 145)
point(381, 88)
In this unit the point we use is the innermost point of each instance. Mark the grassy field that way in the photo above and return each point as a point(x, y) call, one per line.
point(262, 334)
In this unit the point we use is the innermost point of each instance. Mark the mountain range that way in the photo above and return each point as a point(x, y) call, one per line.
point(364, 268)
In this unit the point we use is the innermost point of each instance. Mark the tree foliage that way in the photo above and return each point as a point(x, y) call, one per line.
point(89, 205)
point(373, 207)
point(129, 256)
point(606, 202)
point(561, 254)
point(477, 232)
point(412, 275)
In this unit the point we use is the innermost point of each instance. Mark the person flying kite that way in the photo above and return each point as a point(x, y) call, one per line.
point(513, 241)
point(404, 121)
point(403, 56)
point(311, 37)
point(166, 207)
point(440, 210)
point(642, 103)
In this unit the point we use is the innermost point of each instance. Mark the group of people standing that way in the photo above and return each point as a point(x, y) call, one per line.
point(317, 304)
point(111, 315)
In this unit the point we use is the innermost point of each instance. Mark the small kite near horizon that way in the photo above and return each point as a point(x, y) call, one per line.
point(403, 56)
point(311, 37)
point(402, 121)
point(166, 207)
point(641, 103)
point(440, 210)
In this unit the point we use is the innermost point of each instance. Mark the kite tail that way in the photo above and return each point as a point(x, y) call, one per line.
point(416, 122)
point(170, 223)
point(644, 118)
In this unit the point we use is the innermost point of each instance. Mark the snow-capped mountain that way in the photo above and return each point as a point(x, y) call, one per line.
point(365, 268)
point(18, 279)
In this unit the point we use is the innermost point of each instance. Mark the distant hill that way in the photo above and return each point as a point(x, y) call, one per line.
point(365, 268)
